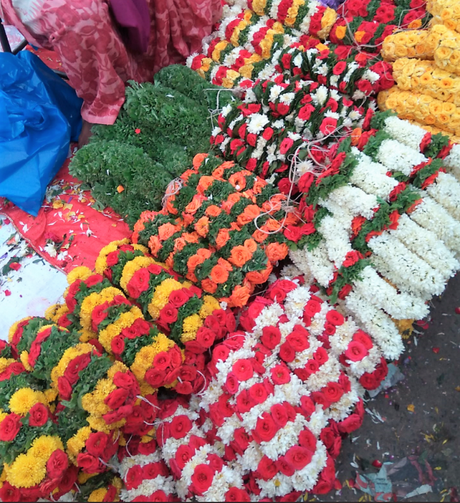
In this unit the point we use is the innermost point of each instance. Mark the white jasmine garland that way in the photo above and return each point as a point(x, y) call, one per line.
point(446, 191)
point(452, 161)
point(406, 270)
point(353, 200)
point(425, 244)
point(432, 216)
point(399, 157)
point(314, 263)
point(336, 238)
point(377, 324)
point(320, 96)
point(382, 295)
point(405, 132)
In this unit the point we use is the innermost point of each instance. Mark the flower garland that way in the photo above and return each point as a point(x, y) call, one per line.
point(446, 12)
point(224, 211)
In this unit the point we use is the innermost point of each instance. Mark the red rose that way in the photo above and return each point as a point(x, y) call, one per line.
point(258, 393)
point(244, 402)
point(363, 338)
point(243, 370)
point(284, 467)
point(307, 440)
point(64, 388)
point(117, 345)
point(180, 426)
point(333, 392)
point(205, 337)
point(116, 398)
point(327, 436)
point(287, 352)
point(235, 494)
point(75, 366)
point(220, 352)
point(312, 307)
point(155, 377)
point(94, 279)
point(178, 298)
point(297, 339)
point(328, 126)
point(279, 415)
point(10, 427)
point(329, 329)
point(162, 360)
point(38, 415)
point(202, 479)
point(335, 317)
point(321, 356)
point(134, 477)
point(319, 398)
point(271, 337)
point(369, 381)
point(139, 283)
point(127, 381)
point(311, 367)
point(118, 415)
point(57, 464)
point(356, 351)
point(267, 468)
point(232, 383)
point(168, 315)
point(241, 438)
point(280, 374)
point(307, 405)
point(97, 444)
point(9, 493)
point(183, 455)
point(265, 428)
point(339, 68)
point(298, 457)
point(89, 464)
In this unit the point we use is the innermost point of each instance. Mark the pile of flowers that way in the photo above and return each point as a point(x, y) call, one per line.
point(222, 228)
point(426, 86)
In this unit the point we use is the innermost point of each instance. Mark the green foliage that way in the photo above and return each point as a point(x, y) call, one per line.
point(159, 130)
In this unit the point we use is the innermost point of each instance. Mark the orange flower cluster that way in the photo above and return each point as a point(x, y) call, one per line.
point(220, 229)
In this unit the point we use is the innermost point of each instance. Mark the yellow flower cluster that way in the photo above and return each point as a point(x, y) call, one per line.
point(132, 267)
point(447, 52)
point(98, 495)
point(76, 443)
point(81, 272)
point(410, 43)
point(54, 312)
point(327, 22)
point(96, 299)
point(210, 304)
point(29, 469)
point(144, 358)
point(5, 363)
point(161, 296)
point(422, 108)
point(424, 76)
point(24, 399)
point(101, 261)
point(125, 320)
point(190, 327)
point(446, 12)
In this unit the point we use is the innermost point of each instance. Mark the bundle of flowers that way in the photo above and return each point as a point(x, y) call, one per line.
point(369, 22)
point(211, 228)
point(279, 399)
point(346, 68)
point(279, 125)
point(193, 457)
point(146, 478)
point(446, 12)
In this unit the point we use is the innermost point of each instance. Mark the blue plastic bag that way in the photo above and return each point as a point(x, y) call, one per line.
point(39, 116)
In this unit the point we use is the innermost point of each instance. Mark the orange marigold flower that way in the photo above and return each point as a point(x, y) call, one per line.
point(154, 245)
point(239, 297)
point(356, 135)
point(208, 286)
point(218, 173)
point(219, 274)
point(239, 256)
point(198, 159)
point(202, 226)
point(249, 214)
point(276, 251)
point(222, 238)
point(165, 231)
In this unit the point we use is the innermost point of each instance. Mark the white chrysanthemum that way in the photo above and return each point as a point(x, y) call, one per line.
point(452, 161)
point(405, 132)
point(256, 123)
point(353, 200)
point(446, 191)
point(399, 157)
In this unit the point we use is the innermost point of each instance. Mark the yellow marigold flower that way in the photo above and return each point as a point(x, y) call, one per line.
point(93, 402)
point(141, 248)
point(145, 356)
point(163, 291)
point(210, 304)
point(84, 477)
point(192, 323)
point(187, 336)
point(87, 335)
point(81, 272)
point(148, 437)
point(98, 424)
point(26, 471)
point(97, 495)
point(50, 312)
point(50, 395)
point(2, 415)
point(24, 399)
point(117, 482)
point(258, 6)
point(124, 321)
point(5, 362)
point(77, 442)
point(14, 327)
point(93, 300)
point(146, 389)
point(340, 32)
point(44, 446)
point(133, 266)
point(24, 357)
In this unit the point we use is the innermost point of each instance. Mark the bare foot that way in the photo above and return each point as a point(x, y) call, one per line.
point(85, 134)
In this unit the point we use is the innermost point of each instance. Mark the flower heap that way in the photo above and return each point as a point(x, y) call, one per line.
point(446, 12)
point(32, 457)
point(371, 208)
point(250, 33)
point(369, 22)
point(221, 229)
point(279, 400)
point(194, 458)
point(273, 129)
point(426, 87)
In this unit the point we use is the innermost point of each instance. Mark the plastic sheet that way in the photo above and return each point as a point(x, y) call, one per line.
point(39, 116)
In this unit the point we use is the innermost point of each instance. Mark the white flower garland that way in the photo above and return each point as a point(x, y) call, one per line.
point(446, 191)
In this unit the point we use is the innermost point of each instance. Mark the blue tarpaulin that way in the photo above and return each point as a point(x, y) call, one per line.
point(39, 116)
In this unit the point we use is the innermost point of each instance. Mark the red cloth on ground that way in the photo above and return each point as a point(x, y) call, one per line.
point(67, 214)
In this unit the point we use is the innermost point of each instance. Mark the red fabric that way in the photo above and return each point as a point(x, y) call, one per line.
point(68, 214)
point(94, 56)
